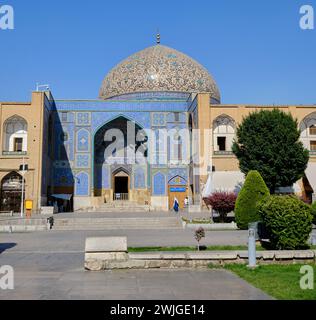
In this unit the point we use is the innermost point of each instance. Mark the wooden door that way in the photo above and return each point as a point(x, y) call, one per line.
point(180, 192)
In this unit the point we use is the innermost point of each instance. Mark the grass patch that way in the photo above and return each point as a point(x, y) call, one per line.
point(208, 248)
point(280, 281)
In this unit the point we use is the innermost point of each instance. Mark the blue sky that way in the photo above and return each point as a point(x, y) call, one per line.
point(254, 49)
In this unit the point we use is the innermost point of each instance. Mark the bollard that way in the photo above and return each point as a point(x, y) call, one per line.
point(252, 261)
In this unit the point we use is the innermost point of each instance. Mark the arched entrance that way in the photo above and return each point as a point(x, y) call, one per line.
point(177, 188)
point(118, 145)
point(11, 192)
point(121, 185)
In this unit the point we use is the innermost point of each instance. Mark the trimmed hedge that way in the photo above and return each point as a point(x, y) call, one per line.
point(288, 221)
point(252, 192)
point(314, 212)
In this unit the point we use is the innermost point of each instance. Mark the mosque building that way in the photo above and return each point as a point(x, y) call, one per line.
point(158, 131)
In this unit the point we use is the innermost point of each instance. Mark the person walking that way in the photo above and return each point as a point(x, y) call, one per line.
point(186, 202)
point(176, 204)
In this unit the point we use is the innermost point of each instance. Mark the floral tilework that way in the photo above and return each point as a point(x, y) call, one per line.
point(83, 161)
point(83, 118)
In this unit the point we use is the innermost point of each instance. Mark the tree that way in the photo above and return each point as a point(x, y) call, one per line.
point(252, 192)
point(199, 235)
point(313, 206)
point(268, 141)
point(222, 202)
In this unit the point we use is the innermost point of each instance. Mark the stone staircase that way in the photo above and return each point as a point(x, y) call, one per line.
point(23, 224)
point(117, 223)
point(122, 206)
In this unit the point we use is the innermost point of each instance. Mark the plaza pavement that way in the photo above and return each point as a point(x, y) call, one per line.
point(49, 265)
point(60, 276)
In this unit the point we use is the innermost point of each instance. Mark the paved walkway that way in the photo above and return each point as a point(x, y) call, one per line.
point(60, 276)
point(61, 241)
point(49, 265)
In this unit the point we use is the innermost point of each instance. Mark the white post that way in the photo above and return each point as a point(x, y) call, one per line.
point(252, 261)
point(22, 195)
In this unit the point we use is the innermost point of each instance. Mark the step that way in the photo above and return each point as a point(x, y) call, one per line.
point(24, 222)
point(116, 223)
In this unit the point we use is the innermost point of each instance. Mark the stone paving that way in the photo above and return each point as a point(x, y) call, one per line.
point(60, 276)
point(60, 241)
point(49, 265)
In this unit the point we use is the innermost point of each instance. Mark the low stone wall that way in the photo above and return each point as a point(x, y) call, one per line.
point(212, 226)
point(103, 255)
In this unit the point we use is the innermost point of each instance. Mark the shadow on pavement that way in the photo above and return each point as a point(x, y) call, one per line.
point(6, 246)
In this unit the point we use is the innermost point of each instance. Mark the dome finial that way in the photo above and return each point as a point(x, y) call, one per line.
point(158, 37)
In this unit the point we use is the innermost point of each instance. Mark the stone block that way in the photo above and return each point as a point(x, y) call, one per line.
point(304, 254)
point(173, 256)
point(231, 255)
point(144, 256)
point(106, 244)
point(244, 254)
point(268, 255)
point(94, 265)
point(158, 263)
point(128, 264)
point(106, 256)
point(284, 254)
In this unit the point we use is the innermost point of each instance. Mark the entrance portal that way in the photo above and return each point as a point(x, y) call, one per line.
point(11, 193)
point(121, 189)
point(121, 184)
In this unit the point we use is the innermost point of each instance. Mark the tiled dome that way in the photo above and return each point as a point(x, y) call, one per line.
point(158, 68)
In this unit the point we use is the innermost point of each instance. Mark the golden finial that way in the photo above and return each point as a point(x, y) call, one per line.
point(158, 37)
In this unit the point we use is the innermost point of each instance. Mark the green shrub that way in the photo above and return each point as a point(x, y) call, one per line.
point(314, 212)
point(288, 221)
point(252, 192)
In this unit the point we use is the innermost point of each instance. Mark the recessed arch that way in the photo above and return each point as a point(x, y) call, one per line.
point(308, 132)
point(11, 192)
point(15, 134)
point(224, 128)
point(117, 151)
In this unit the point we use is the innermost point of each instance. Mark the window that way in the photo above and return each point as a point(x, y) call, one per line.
point(18, 144)
point(221, 142)
point(313, 146)
point(312, 130)
point(64, 117)
point(15, 135)
point(223, 134)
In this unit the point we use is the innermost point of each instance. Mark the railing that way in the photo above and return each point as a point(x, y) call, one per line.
point(120, 196)
point(14, 153)
point(312, 153)
point(223, 153)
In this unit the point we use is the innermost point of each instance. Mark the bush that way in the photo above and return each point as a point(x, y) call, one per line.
point(288, 221)
point(252, 192)
point(314, 212)
point(222, 202)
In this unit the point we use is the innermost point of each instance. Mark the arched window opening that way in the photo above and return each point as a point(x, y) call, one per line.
point(223, 134)
point(15, 135)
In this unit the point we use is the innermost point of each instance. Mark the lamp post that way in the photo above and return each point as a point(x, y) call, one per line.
point(23, 170)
